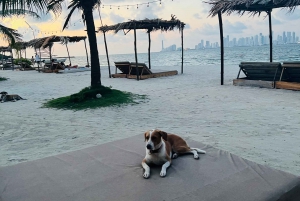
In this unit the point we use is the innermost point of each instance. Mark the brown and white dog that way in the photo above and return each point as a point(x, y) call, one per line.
point(161, 147)
point(10, 97)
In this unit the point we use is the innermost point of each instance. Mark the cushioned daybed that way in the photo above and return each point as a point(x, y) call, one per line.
point(113, 172)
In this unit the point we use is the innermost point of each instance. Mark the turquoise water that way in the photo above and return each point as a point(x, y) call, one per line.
point(232, 56)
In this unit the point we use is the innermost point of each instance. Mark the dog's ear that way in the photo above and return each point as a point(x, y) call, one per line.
point(164, 135)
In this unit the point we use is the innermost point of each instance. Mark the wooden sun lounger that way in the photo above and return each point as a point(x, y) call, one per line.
point(130, 70)
point(290, 71)
point(259, 74)
point(123, 66)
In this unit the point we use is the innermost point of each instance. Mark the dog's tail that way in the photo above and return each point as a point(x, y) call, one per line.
point(200, 151)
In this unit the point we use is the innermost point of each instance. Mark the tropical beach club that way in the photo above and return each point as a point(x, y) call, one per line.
point(74, 130)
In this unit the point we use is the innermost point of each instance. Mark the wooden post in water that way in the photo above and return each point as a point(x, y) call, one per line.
point(107, 54)
point(222, 47)
point(135, 52)
point(181, 49)
point(270, 35)
point(149, 38)
point(87, 55)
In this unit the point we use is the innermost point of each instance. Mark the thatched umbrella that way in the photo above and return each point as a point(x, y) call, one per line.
point(149, 25)
point(47, 42)
point(252, 7)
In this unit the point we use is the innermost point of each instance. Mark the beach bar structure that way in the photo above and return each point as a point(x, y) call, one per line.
point(253, 7)
point(149, 26)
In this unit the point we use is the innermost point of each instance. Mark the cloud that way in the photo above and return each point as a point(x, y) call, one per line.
point(236, 27)
point(187, 26)
point(284, 15)
point(151, 12)
point(197, 16)
point(209, 29)
point(116, 18)
point(43, 18)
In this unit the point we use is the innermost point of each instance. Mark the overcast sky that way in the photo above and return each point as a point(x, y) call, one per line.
point(192, 12)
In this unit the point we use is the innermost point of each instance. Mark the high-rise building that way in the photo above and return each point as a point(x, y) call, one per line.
point(294, 38)
point(289, 37)
point(284, 37)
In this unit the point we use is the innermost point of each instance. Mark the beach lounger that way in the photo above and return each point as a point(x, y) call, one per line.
point(123, 66)
point(260, 74)
point(129, 70)
point(290, 76)
point(113, 171)
point(141, 67)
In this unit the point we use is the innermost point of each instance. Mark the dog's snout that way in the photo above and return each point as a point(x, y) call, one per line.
point(148, 146)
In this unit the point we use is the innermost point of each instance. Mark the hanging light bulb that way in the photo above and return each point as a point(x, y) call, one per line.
point(160, 3)
point(148, 4)
point(137, 6)
point(118, 7)
point(127, 7)
point(110, 7)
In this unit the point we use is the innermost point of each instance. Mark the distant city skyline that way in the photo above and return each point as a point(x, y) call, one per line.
point(287, 37)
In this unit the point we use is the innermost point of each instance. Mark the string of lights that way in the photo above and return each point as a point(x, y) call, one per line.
point(128, 6)
point(110, 6)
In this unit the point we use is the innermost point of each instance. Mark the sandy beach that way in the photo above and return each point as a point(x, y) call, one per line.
point(261, 125)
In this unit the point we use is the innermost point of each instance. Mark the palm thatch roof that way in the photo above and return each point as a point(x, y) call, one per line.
point(48, 41)
point(5, 49)
point(147, 24)
point(252, 6)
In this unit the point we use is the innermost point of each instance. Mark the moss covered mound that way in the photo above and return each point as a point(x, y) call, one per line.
point(87, 99)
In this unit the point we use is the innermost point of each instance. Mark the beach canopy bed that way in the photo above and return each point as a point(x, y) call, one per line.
point(47, 42)
point(149, 25)
point(252, 7)
point(113, 171)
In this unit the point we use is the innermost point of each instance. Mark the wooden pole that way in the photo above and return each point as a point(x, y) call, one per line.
point(68, 54)
point(109, 73)
point(149, 60)
point(135, 53)
point(182, 49)
point(222, 47)
point(12, 60)
point(87, 55)
point(270, 36)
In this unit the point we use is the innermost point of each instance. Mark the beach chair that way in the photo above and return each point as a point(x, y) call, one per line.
point(123, 66)
point(142, 69)
point(132, 69)
point(259, 74)
point(290, 76)
point(266, 71)
point(290, 71)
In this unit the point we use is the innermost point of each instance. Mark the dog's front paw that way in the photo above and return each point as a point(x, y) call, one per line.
point(163, 173)
point(146, 175)
point(196, 156)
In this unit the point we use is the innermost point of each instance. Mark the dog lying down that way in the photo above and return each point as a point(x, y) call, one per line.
point(9, 97)
point(161, 147)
